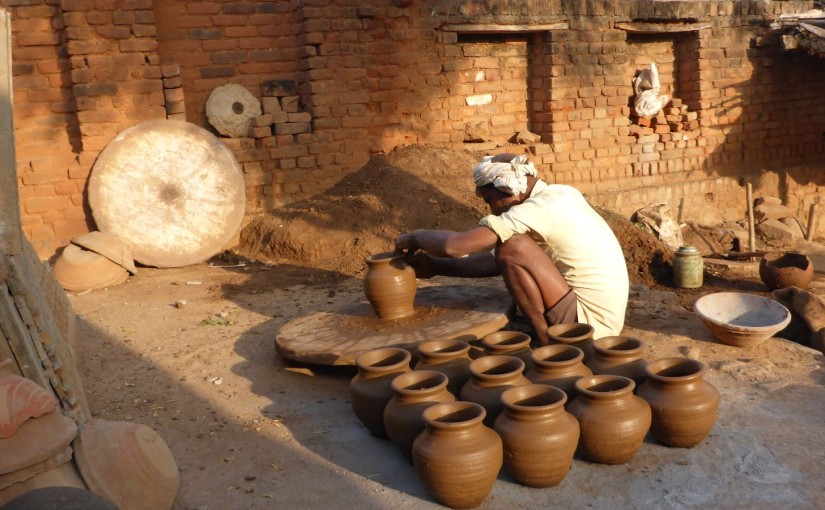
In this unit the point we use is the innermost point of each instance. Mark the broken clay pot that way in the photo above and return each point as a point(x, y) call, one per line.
point(782, 270)
point(78, 269)
point(390, 286)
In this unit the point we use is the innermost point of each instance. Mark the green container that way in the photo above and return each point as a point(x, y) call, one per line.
point(688, 268)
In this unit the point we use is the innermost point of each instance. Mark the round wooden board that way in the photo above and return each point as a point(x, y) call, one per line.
point(169, 189)
point(336, 337)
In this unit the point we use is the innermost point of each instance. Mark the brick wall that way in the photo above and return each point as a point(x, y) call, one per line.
point(340, 80)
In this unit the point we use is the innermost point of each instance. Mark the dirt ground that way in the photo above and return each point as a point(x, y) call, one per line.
point(190, 352)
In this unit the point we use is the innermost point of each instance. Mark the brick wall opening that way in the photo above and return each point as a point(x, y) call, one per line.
point(676, 58)
point(493, 83)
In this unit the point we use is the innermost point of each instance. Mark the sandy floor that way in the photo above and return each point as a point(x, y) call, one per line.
point(190, 353)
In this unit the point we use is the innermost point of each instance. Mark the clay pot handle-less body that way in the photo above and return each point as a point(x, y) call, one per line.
point(577, 334)
point(389, 285)
point(781, 270)
point(684, 405)
point(371, 389)
point(457, 456)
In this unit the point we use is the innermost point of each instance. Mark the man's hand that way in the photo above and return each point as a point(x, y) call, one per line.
point(422, 263)
point(406, 243)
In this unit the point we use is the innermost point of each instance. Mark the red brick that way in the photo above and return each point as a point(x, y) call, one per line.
point(41, 204)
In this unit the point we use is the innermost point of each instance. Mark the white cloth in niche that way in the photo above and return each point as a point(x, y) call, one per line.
point(648, 102)
point(509, 177)
point(581, 245)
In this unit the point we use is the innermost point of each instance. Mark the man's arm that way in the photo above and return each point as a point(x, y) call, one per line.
point(447, 243)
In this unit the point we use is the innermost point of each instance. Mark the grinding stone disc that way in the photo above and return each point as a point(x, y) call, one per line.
point(230, 108)
point(452, 311)
point(169, 189)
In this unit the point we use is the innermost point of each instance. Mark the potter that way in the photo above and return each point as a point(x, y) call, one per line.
point(559, 259)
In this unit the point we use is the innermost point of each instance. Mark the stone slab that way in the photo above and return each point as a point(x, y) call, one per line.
point(169, 189)
point(336, 337)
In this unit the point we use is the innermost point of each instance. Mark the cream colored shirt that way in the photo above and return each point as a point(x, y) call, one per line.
point(581, 245)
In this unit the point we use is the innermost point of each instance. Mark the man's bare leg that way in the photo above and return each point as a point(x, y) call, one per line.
point(532, 279)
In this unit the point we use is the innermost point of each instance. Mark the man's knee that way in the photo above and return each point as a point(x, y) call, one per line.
point(516, 248)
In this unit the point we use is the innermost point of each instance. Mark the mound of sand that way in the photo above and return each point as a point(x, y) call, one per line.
point(411, 187)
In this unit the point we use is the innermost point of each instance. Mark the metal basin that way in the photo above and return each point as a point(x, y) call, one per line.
point(741, 320)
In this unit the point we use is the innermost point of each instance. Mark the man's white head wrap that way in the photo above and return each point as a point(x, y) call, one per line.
point(509, 177)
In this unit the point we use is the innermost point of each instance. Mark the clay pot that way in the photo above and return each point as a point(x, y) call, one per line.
point(128, 464)
point(450, 357)
point(110, 246)
point(781, 270)
point(389, 285)
point(577, 334)
point(613, 421)
point(457, 456)
point(619, 355)
point(509, 343)
point(539, 436)
point(413, 393)
point(21, 399)
point(79, 269)
point(683, 404)
point(490, 376)
point(370, 389)
point(560, 366)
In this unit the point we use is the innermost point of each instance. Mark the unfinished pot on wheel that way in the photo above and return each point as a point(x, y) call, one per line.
point(781, 270)
point(389, 285)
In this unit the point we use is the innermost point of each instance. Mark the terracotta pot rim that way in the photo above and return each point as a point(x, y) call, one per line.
point(466, 414)
point(614, 385)
point(512, 364)
point(401, 384)
point(544, 398)
point(509, 339)
point(695, 369)
point(364, 363)
point(606, 345)
point(540, 356)
point(383, 257)
point(565, 329)
point(442, 348)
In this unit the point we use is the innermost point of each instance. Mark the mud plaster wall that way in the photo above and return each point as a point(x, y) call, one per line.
point(349, 79)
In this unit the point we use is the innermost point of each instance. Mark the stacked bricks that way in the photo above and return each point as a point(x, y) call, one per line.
point(218, 42)
point(173, 92)
point(673, 118)
point(281, 113)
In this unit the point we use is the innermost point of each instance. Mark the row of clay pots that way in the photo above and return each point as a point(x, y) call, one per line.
point(537, 437)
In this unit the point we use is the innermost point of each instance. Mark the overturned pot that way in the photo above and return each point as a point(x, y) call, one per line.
point(780, 270)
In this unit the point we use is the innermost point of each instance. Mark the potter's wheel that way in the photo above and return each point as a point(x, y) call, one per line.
point(336, 337)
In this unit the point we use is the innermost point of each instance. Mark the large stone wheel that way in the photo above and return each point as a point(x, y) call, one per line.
point(169, 189)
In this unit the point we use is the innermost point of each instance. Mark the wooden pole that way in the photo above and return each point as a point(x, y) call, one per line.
point(809, 234)
point(751, 222)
